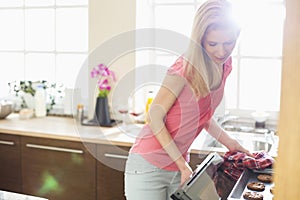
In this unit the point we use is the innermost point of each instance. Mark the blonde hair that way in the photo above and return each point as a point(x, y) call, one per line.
point(200, 71)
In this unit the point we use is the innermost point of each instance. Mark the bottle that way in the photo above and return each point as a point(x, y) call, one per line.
point(40, 102)
point(148, 103)
point(79, 114)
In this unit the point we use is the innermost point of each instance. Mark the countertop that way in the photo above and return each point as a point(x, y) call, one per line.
point(64, 128)
point(4, 195)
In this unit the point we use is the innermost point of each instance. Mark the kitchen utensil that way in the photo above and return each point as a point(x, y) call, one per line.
point(241, 186)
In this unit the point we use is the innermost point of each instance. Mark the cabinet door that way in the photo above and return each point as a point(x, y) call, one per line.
point(110, 172)
point(10, 159)
point(58, 170)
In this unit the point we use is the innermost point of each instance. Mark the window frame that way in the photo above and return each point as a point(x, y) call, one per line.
point(55, 52)
point(238, 56)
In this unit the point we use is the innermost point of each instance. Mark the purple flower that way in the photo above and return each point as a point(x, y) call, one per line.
point(104, 75)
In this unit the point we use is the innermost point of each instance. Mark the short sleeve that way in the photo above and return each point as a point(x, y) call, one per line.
point(176, 68)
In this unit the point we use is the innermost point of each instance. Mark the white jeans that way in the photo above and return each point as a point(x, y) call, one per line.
point(147, 182)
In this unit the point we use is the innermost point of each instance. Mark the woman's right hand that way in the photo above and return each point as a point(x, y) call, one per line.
point(186, 173)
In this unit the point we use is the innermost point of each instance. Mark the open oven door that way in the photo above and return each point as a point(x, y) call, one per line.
point(201, 185)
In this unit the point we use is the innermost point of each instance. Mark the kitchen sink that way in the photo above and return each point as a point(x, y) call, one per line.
point(250, 140)
point(245, 125)
point(253, 145)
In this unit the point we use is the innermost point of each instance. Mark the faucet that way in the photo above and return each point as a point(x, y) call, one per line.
point(225, 118)
point(270, 137)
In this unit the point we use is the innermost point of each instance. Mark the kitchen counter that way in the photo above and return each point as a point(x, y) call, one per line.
point(63, 128)
point(4, 195)
point(67, 129)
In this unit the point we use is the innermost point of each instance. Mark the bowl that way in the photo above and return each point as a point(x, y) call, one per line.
point(26, 113)
point(6, 108)
point(260, 116)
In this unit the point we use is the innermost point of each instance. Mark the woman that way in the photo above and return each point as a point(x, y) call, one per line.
point(184, 105)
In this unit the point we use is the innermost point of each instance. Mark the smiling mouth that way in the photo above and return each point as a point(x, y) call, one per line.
point(221, 59)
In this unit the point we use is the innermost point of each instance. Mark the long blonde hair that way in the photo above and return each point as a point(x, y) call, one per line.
point(200, 71)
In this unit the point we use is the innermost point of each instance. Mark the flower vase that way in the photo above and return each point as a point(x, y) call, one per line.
point(102, 114)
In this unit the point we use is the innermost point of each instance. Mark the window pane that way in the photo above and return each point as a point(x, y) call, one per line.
point(166, 61)
point(72, 29)
point(12, 21)
point(39, 3)
point(260, 82)
point(13, 63)
point(142, 57)
point(71, 2)
point(11, 3)
point(172, 18)
point(231, 87)
point(200, 1)
point(262, 33)
point(39, 29)
point(68, 67)
point(40, 66)
point(173, 1)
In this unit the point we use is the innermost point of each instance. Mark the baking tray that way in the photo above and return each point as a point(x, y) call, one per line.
point(241, 186)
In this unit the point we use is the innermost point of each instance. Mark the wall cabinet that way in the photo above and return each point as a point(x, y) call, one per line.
point(58, 170)
point(10, 159)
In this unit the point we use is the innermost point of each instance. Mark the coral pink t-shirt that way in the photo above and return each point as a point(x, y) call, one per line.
point(184, 121)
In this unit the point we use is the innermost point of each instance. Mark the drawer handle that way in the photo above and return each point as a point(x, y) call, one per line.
point(109, 155)
point(7, 142)
point(36, 146)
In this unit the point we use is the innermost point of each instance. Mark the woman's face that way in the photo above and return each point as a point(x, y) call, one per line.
point(219, 43)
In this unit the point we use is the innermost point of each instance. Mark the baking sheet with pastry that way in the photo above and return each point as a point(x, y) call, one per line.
point(241, 186)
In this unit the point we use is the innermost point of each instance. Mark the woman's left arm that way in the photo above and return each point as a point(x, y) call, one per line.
point(215, 130)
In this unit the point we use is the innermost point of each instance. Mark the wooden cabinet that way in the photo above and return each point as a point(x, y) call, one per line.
point(10, 167)
point(58, 170)
point(110, 172)
point(63, 170)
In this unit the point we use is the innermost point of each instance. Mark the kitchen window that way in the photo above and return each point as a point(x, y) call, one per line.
point(42, 40)
point(255, 81)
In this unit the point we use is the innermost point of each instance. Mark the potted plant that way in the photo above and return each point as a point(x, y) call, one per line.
point(25, 90)
point(105, 78)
